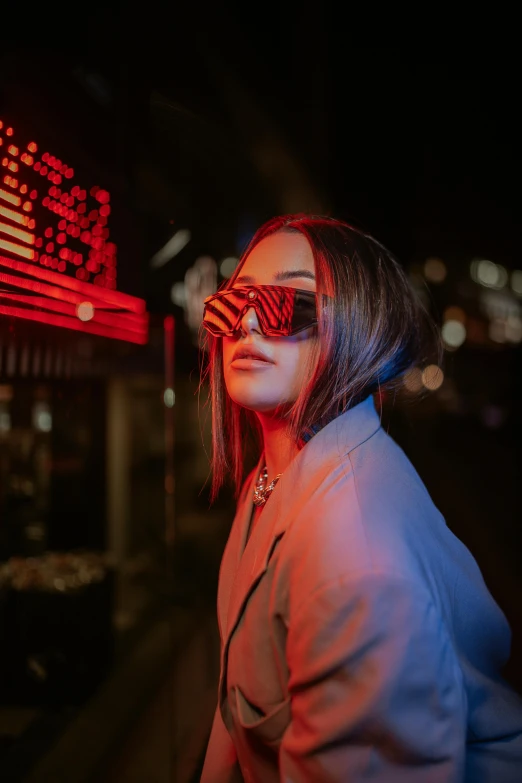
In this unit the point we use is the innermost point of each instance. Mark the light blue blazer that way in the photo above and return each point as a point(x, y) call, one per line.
point(358, 639)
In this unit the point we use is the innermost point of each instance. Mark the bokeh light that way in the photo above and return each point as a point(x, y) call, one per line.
point(453, 333)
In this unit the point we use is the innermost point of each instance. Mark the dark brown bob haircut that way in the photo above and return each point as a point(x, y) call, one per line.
point(373, 332)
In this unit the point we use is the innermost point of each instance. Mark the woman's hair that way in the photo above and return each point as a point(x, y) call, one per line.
point(373, 331)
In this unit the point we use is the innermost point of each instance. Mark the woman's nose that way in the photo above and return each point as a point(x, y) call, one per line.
point(249, 321)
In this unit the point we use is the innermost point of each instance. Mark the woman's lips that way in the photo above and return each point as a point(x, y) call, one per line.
point(250, 363)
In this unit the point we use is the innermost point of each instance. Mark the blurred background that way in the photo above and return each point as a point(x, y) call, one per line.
point(139, 152)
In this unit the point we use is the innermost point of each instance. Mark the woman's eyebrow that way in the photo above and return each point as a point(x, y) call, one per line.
point(278, 277)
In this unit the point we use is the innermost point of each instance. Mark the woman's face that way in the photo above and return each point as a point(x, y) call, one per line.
point(284, 259)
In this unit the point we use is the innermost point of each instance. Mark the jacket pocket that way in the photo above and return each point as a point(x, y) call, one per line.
point(269, 726)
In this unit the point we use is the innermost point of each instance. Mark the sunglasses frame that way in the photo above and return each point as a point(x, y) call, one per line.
point(266, 330)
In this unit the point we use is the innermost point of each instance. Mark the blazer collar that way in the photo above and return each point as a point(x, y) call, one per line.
point(306, 472)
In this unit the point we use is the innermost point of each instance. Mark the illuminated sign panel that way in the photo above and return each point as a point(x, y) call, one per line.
point(58, 264)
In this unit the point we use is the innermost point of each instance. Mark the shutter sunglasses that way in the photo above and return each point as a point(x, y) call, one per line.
point(281, 310)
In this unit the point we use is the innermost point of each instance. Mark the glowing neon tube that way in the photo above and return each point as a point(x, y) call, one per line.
point(114, 320)
point(12, 247)
point(16, 217)
point(17, 233)
point(90, 291)
point(10, 197)
point(73, 323)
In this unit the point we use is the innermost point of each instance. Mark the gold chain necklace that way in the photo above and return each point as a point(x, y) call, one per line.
point(261, 491)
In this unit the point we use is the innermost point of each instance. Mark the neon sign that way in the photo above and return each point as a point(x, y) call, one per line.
point(58, 264)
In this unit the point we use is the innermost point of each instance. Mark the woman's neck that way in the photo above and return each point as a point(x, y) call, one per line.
point(279, 449)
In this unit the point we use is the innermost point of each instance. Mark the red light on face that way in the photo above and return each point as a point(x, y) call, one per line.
point(32, 147)
point(33, 194)
point(13, 150)
point(9, 132)
point(23, 189)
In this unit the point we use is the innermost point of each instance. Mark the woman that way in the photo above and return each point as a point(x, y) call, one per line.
point(359, 641)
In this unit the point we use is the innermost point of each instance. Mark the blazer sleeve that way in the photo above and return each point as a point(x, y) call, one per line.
point(221, 764)
point(376, 690)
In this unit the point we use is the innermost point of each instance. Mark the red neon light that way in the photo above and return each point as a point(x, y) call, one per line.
point(9, 132)
point(1, 124)
point(73, 323)
point(13, 150)
point(31, 224)
point(18, 250)
point(10, 197)
point(13, 166)
point(89, 290)
point(127, 321)
point(17, 233)
point(32, 147)
point(33, 194)
point(23, 188)
point(37, 166)
point(16, 217)
point(27, 206)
